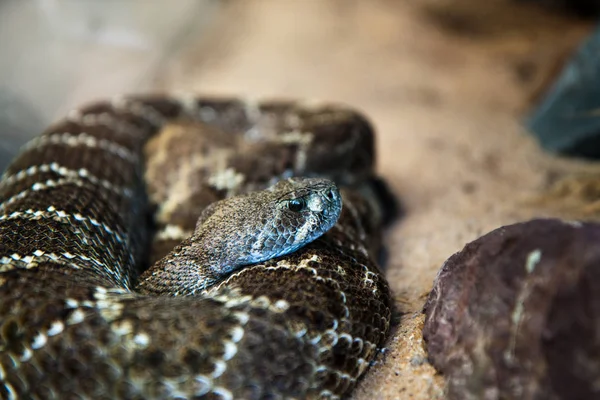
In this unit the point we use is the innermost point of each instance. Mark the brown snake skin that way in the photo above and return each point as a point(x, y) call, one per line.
point(76, 232)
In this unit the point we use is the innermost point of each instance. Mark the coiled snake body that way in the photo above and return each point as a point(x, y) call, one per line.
point(78, 321)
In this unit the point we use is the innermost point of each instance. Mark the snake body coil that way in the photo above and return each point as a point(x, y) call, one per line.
point(75, 234)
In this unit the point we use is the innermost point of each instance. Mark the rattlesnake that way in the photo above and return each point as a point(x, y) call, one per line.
point(77, 322)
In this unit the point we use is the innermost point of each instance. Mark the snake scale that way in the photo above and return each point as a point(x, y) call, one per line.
point(111, 190)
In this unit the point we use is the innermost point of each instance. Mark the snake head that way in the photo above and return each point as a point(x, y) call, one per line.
point(258, 226)
point(305, 208)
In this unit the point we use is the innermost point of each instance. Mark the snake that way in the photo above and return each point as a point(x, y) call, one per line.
point(184, 247)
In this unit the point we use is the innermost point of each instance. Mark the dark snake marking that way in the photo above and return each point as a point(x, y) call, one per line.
point(74, 237)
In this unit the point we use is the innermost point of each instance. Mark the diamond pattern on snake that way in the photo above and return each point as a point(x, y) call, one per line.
point(192, 248)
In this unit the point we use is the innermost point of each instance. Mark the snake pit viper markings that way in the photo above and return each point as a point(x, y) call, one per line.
point(159, 247)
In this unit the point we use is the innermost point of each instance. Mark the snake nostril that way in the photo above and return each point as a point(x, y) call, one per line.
point(330, 194)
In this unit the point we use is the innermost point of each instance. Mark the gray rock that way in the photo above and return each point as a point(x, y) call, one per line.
point(566, 121)
point(516, 314)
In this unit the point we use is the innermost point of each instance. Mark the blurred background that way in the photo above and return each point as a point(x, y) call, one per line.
point(56, 54)
point(446, 83)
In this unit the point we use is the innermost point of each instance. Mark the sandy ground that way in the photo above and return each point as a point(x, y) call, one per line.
point(446, 84)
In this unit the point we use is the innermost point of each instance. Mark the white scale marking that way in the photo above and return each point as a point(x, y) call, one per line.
point(188, 102)
point(204, 385)
point(71, 303)
point(224, 393)
point(142, 340)
point(237, 333)
point(230, 350)
point(139, 109)
point(242, 317)
point(83, 139)
point(115, 123)
point(33, 260)
point(52, 212)
point(122, 328)
point(303, 265)
point(12, 395)
point(220, 368)
point(56, 328)
point(226, 180)
point(76, 317)
point(41, 186)
point(303, 140)
point(173, 232)
point(26, 356)
point(67, 173)
point(8, 263)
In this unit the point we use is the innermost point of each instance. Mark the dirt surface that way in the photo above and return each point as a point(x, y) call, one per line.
point(446, 85)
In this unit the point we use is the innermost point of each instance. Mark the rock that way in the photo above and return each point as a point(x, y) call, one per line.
point(516, 314)
point(566, 121)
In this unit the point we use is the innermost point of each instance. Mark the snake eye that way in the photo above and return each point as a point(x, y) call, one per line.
point(330, 195)
point(296, 205)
